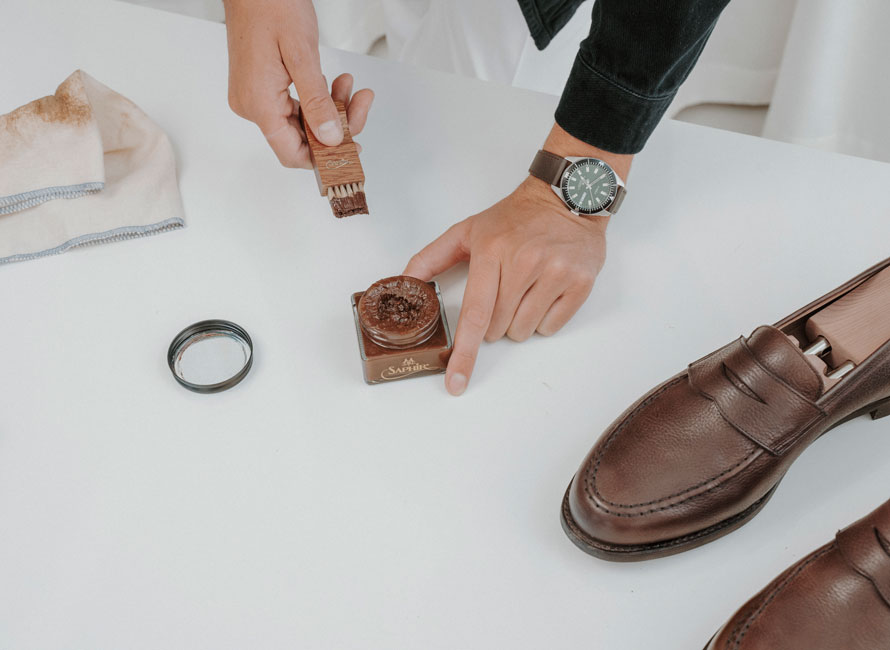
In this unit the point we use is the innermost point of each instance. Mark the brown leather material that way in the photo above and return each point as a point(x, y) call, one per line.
point(548, 167)
point(701, 453)
point(866, 548)
point(826, 601)
point(781, 357)
point(758, 403)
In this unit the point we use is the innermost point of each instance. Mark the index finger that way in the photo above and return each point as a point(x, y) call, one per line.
point(286, 138)
point(480, 296)
point(441, 254)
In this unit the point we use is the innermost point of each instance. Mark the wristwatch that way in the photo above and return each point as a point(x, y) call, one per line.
point(588, 186)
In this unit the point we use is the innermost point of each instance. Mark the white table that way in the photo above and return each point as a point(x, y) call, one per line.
point(306, 509)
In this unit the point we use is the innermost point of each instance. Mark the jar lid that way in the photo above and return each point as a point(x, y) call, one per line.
point(210, 356)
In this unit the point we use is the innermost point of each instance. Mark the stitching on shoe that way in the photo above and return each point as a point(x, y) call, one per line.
point(773, 593)
point(593, 468)
point(677, 541)
point(738, 626)
point(677, 494)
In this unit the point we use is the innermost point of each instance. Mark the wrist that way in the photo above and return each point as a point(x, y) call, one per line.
point(562, 143)
point(541, 194)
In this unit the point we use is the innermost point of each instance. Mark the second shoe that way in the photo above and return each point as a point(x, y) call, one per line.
point(836, 598)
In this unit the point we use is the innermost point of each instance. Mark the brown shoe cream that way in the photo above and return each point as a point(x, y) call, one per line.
point(700, 454)
point(837, 598)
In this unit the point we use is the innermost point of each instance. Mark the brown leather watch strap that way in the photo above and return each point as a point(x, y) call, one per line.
point(548, 167)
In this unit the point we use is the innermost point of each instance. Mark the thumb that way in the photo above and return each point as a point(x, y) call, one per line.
point(318, 108)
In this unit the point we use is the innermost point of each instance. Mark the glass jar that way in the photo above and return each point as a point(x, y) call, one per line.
point(402, 329)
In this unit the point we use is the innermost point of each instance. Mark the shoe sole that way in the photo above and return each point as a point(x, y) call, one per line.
point(639, 552)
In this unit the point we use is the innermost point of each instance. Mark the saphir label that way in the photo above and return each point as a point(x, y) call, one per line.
point(408, 367)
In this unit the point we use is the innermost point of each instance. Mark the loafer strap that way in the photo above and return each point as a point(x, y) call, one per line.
point(866, 549)
point(751, 398)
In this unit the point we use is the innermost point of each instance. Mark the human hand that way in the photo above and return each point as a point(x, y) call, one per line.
point(532, 262)
point(271, 44)
point(532, 265)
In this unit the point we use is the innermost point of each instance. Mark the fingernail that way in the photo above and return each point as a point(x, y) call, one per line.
point(329, 132)
point(457, 384)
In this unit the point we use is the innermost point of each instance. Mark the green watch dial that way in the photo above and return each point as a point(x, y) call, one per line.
point(589, 185)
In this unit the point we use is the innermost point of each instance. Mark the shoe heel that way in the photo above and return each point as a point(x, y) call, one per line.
point(881, 409)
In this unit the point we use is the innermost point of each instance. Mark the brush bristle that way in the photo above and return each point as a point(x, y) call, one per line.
point(348, 200)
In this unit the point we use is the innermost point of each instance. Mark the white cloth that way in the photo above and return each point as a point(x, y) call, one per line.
point(351, 25)
point(833, 91)
point(36, 146)
point(83, 166)
point(489, 39)
point(741, 60)
point(475, 38)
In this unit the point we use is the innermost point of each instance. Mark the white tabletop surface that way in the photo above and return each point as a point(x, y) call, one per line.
point(305, 509)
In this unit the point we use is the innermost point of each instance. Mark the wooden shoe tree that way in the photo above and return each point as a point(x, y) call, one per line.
point(846, 332)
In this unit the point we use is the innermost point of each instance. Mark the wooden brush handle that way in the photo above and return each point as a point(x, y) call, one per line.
point(857, 324)
point(334, 166)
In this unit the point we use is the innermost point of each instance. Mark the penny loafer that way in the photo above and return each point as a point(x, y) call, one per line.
point(836, 598)
point(701, 454)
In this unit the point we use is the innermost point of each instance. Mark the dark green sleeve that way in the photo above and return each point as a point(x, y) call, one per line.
point(629, 67)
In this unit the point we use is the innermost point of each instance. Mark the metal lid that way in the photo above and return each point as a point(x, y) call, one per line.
point(210, 356)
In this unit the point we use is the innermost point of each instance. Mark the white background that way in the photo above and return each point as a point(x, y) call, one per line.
point(306, 509)
point(809, 72)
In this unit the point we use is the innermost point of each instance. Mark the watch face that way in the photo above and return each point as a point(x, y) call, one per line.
point(588, 185)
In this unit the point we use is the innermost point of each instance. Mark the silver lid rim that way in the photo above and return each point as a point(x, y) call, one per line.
point(201, 327)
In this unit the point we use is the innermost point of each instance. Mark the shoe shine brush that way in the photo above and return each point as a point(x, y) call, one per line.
point(850, 329)
point(338, 170)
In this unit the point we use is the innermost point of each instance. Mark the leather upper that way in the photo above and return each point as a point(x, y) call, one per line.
point(770, 407)
point(836, 598)
point(714, 440)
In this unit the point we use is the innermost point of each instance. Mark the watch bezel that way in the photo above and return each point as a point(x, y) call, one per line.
point(613, 186)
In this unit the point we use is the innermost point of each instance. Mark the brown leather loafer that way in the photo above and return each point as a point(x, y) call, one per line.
point(700, 454)
point(836, 598)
